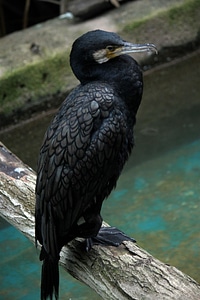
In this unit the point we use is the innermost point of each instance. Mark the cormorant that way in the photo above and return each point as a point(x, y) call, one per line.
point(86, 147)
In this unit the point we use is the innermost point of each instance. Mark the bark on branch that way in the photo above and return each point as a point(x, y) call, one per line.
point(126, 272)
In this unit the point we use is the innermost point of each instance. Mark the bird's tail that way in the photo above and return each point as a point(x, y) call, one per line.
point(49, 276)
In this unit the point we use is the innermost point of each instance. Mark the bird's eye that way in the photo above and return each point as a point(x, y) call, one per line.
point(111, 48)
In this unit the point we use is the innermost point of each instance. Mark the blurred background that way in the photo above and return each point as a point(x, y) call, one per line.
point(157, 197)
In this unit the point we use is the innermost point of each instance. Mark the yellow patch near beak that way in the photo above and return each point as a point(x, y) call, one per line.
point(114, 51)
point(103, 55)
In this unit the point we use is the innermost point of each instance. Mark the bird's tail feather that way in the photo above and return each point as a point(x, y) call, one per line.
point(49, 278)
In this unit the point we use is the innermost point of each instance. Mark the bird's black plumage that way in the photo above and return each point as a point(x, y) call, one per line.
point(85, 148)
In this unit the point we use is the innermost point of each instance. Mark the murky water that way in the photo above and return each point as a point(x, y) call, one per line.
point(157, 197)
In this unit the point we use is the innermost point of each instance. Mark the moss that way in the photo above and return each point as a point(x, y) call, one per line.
point(186, 13)
point(183, 12)
point(33, 81)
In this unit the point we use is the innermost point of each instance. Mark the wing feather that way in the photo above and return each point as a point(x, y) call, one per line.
point(79, 159)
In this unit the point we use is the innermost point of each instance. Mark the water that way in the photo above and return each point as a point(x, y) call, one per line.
point(157, 197)
point(161, 207)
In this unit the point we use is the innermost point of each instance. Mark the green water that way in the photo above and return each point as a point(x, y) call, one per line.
point(157, 197)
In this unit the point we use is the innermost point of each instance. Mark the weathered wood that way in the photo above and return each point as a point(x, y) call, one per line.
point(126, 272)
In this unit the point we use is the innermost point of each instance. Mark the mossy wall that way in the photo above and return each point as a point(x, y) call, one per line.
point(38, 82)
point(178, 23)
point(33, 81)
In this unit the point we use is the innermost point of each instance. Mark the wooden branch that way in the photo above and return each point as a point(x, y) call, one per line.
point(126, 272)
point(26, 13)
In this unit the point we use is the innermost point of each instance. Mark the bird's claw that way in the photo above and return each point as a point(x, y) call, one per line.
point(108, 236)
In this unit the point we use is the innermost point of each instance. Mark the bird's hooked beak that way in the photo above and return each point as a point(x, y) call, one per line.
point(112, 51)
point(132, 48)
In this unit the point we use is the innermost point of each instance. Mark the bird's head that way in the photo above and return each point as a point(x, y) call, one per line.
point(98, 47)
point(114, 46)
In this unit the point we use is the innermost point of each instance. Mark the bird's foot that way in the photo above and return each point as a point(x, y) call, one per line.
point(108, 236)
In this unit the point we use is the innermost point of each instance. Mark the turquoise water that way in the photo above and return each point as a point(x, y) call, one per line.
point(157, 196)
point(20, 270)
point(160, 207)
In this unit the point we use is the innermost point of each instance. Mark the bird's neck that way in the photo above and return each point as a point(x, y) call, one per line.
point(122, 73)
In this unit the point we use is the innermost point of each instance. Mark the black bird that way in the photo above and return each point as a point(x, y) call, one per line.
point(86, 147)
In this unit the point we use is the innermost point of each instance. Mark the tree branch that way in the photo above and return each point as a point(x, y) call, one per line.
point(126, 272)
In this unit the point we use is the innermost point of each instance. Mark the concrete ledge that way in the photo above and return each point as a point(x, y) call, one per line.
point(34, 67)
